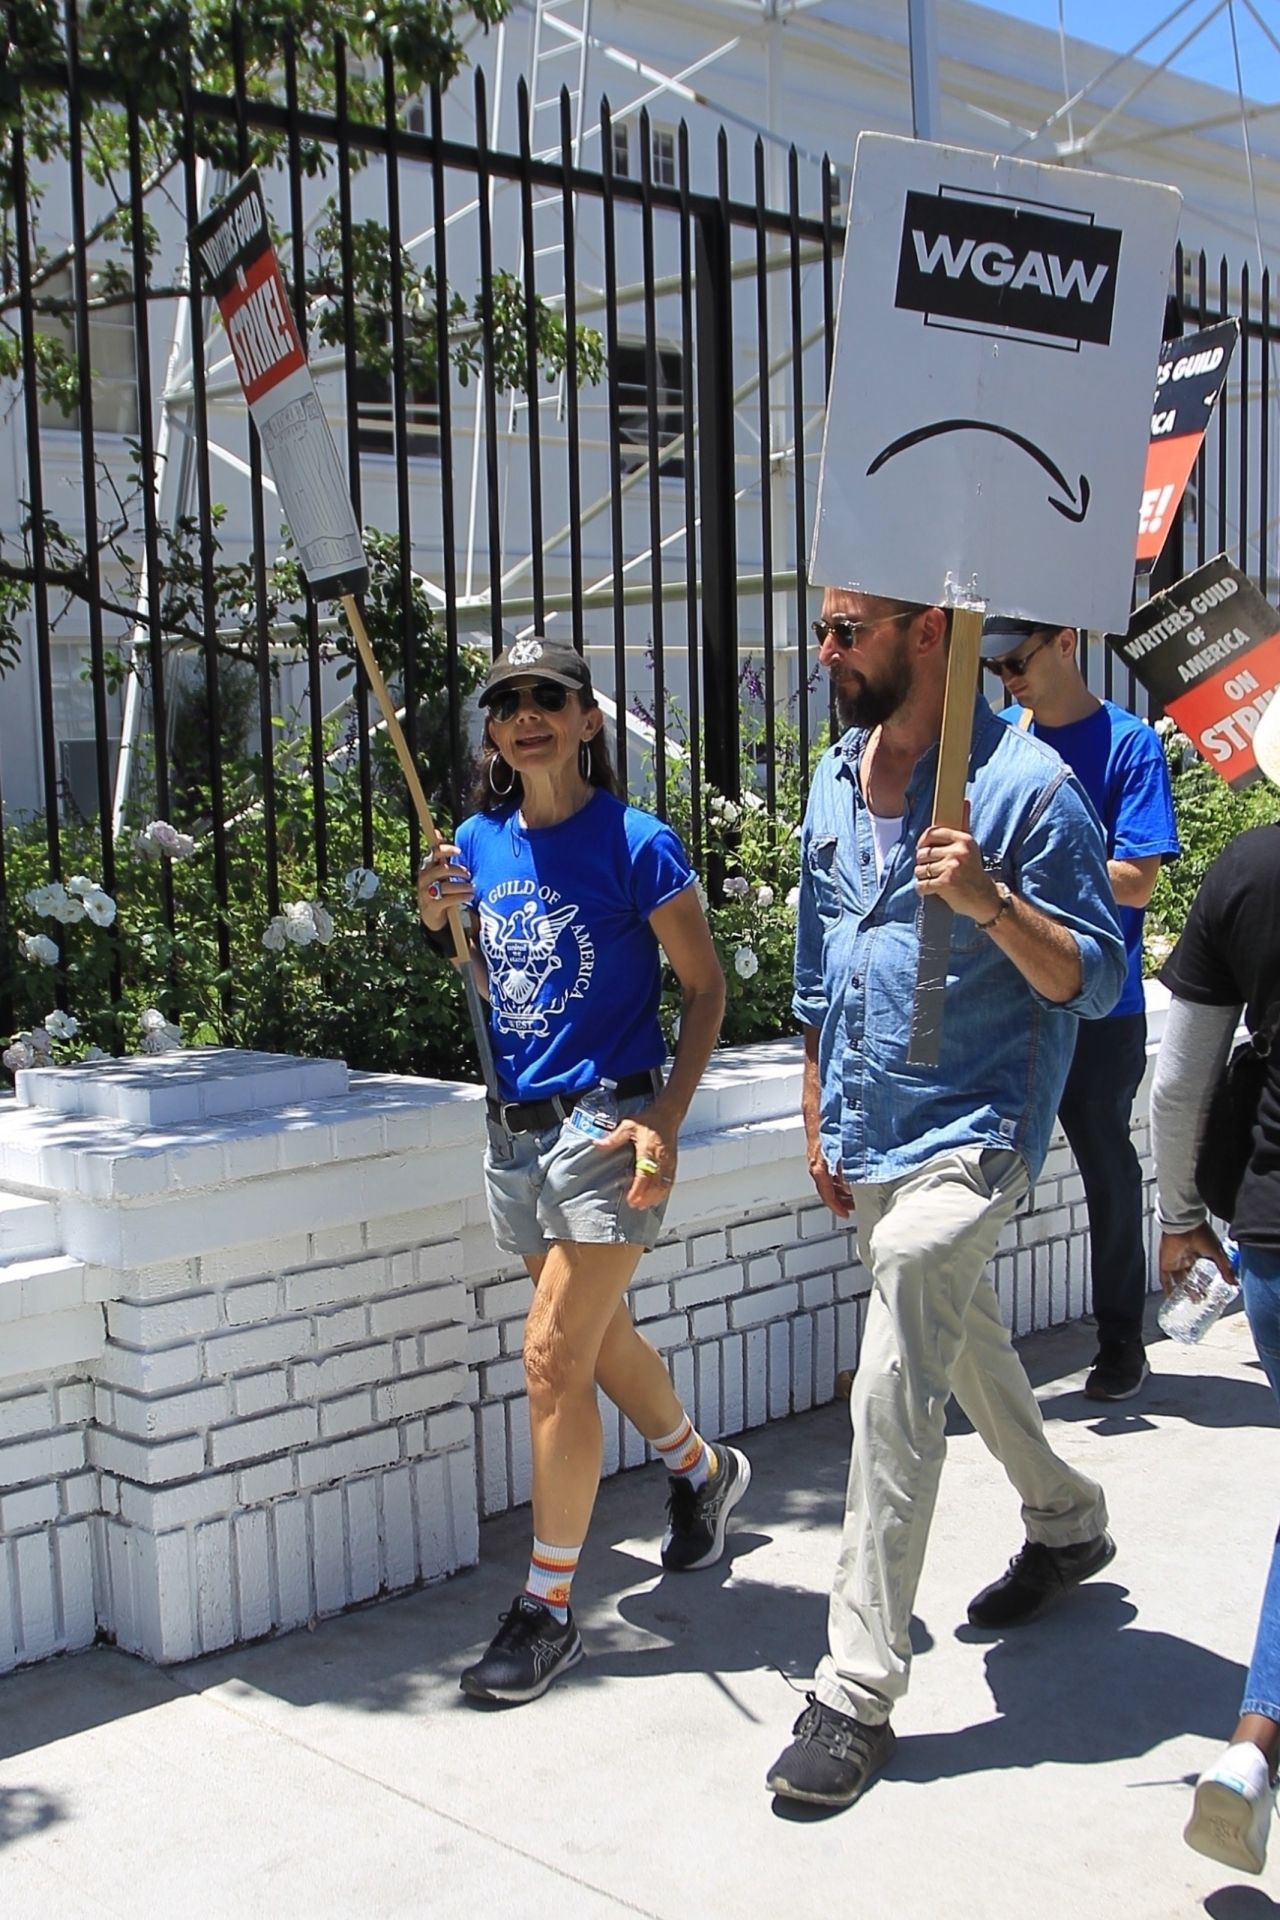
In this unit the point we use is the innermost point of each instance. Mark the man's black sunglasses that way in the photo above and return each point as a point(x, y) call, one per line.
point(545, 694)
point(1016, 663)
point(844, 631)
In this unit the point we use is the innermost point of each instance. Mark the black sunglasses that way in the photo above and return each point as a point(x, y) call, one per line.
point(1016, 663)
point(844, 631)
point(545, 694)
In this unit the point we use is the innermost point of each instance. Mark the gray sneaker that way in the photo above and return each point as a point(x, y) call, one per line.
point(832, 1759)
point(696, 1520)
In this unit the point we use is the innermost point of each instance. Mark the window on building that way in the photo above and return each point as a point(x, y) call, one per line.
point(112, 351)
point(376, 419)
point(620, 148)
point(633, 405)
point(664, 157)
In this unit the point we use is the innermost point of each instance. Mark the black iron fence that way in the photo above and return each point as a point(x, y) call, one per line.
point(574, 401)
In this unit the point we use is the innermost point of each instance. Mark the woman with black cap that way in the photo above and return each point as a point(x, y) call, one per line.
point(578, 897)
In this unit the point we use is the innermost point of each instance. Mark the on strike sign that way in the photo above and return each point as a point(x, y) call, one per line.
point(1209, 652)
point(988, 418)
point(1189, 379)
point(233, 245)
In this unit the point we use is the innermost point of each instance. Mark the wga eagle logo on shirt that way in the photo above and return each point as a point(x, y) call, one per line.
point(538, 957)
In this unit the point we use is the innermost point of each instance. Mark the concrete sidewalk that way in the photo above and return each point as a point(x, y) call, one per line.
point(339, 1772)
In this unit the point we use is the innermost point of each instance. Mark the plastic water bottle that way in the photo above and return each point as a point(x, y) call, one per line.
point(596, 1114)
point(1195, 1303)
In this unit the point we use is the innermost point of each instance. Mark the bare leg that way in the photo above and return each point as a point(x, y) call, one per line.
point(631, 1371)
point(1263, 1733)
point(579, 1290)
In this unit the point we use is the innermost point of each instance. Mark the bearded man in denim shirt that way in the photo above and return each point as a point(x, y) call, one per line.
point(932, 1161)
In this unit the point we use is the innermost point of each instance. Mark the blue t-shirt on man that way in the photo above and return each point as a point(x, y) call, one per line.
point(574, 966)
point(1120, 763)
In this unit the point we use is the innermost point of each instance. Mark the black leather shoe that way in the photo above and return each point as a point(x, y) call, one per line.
point(832, 1758)
point(1037, 1576)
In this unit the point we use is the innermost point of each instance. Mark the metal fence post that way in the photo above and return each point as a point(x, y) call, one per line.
point(714, 312)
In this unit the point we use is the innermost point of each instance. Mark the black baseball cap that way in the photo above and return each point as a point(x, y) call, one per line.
point(1002, 634)
point(534, 658)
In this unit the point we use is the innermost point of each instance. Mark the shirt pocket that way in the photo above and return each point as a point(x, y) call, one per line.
point(820, 859)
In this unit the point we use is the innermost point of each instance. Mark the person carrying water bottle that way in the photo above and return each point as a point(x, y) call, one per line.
point(1228, 961)
point(578, 897)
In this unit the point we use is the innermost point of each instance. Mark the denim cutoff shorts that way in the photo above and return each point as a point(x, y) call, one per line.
point(561, 1185)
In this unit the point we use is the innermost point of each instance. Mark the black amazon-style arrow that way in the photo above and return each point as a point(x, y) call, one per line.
point(1068, 508)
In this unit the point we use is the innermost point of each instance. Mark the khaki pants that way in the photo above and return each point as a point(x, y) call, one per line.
point(933, 1328)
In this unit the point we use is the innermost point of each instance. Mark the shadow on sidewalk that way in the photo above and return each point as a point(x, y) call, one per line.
point(27, 1810)
point(1079, 1687)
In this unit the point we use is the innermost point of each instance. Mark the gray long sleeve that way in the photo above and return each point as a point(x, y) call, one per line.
point(1193, 1049)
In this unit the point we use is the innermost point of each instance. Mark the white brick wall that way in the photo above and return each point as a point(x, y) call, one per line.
point(249, 1377)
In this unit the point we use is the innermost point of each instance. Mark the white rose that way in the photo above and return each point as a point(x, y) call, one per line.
point(273, 938)
point(361, 883)
point(323, 923)
point(299, 923)
point(793, 898)
point(96, 1053)
point(731, 813)
point(63, 1026)
point(39, 947)
point(745, 963)
point(100, 907)
point(19, 1056)
point(39, 1038)
point(45, 900)
point(168, 841)
point(81, 883)
point(716, 803)
point(69, 910)
point(764, 896)
point(158, 1034)
point(736, 888)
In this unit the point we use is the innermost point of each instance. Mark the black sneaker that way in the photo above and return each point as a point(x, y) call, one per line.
point(1037, 1576)
point(696, 1521)
point(528, 1652)
point(1119, 1370)
point(832, 1757)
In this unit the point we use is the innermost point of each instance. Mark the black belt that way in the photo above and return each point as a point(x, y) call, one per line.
point(534, 1116)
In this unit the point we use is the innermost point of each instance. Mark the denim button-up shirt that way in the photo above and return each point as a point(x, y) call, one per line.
point(1005, 1048)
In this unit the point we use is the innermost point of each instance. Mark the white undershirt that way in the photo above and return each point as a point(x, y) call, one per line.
point(886, 831)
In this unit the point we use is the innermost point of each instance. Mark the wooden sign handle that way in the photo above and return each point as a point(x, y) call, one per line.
point(430, 832)
point(963, 660)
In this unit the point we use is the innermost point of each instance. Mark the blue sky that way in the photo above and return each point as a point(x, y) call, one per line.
point(1118, 24)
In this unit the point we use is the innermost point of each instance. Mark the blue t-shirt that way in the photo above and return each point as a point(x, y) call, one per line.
point(1120, 764)
point(574, 967)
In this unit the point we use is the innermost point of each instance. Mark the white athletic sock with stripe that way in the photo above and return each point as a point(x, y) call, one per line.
point(551, 1571)
point(687, 1454)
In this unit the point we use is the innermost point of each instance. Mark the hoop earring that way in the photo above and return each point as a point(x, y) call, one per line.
point(584, 759)
point(501, 792)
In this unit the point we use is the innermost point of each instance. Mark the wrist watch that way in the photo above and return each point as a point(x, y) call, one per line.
point(1006, 902)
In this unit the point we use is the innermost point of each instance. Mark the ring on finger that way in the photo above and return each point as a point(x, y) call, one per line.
point(645, 1165)
point(434, 890)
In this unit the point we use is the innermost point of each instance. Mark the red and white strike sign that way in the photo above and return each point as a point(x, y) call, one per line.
point(1191, 375)
point(1209, 651)
point(234, 250)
